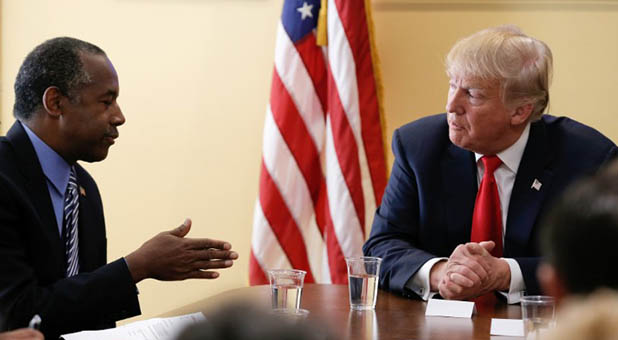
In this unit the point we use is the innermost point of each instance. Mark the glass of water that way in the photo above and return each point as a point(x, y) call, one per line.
point(363, 274)
point(287, 288)
point(538, 314)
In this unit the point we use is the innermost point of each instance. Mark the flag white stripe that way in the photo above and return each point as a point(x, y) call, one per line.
point(345, 219)
point(343, 68)
point(266, 248)
point(291, 184)
point(297, 81)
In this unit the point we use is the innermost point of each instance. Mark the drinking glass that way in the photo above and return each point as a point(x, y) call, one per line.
point(538, 314)
point(363, 275)
point(287, 288)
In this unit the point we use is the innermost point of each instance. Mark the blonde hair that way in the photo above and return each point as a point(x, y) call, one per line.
point(591, 317)
point(522, 65)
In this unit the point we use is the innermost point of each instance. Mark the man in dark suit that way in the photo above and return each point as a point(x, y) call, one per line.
point(433, 231)
point(52, 231)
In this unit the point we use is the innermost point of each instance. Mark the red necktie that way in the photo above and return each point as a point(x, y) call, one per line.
point(487, 218)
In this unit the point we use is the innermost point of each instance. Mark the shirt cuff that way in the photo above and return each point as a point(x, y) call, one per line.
point(419, 282)
point(518, 286)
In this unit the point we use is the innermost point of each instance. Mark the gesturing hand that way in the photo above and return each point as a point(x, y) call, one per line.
point(171, 256)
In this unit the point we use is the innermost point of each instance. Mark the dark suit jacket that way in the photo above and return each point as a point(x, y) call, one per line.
point(32, 254)
point(426, 210)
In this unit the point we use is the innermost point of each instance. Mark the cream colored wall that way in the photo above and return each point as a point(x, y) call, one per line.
point(195, 78)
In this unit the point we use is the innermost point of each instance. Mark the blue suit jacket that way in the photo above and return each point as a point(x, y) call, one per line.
point(426, 210)
point(32, 254)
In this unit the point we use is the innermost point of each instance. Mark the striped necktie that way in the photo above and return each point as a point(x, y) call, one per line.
point(69, 225)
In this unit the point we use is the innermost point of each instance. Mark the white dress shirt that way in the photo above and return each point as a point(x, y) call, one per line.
point(505, 178)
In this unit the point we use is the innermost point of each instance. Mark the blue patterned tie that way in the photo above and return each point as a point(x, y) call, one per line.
point(69, 224)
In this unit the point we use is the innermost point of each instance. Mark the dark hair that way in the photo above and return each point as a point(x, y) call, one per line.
point(245, 322)
point(580, 236)
point(56, 62)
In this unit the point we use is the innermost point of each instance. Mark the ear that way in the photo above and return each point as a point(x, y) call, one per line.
point(522, 114)
point(550, 281)
point(52, 101)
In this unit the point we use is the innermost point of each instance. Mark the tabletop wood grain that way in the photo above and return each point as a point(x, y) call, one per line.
point(395, 317)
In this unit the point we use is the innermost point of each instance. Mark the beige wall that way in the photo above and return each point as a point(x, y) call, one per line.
point(195, 78)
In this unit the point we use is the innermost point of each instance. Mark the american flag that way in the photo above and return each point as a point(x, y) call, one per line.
point(323, 167)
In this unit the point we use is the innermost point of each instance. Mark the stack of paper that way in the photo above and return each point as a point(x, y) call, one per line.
point(152, 329)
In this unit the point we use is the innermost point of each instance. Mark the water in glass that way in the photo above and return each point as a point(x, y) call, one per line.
point(286, 296)
point(363, 291)
point(536, 327)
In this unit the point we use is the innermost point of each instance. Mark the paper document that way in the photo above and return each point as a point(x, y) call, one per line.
point(152, 329)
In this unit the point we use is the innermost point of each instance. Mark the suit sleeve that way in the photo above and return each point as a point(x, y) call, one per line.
point(90, 300)
point(394, 234)
point(529, 266)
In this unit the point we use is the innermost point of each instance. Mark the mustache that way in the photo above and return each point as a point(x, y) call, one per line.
point(113, 133)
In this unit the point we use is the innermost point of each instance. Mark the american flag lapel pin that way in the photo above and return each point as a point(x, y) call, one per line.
point(536, 185)
point(82, 191)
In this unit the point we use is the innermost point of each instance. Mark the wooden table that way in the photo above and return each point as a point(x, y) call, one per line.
point(395, 317)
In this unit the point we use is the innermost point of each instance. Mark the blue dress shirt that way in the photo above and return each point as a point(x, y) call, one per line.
point(56, 171)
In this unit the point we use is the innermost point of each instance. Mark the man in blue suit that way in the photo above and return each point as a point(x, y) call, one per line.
point(432, 230)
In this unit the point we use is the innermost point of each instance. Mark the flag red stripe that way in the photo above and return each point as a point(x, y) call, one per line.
point(256, 273)
point(285, 229)
point(336, 259)
point(346, 149)
point(297, 137)
point(313, 58)
point(354, 21)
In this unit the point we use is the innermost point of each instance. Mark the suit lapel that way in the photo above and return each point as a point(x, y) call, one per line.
point(87, 236)
point(526, 198)
point(460, 187)
point(36, 186)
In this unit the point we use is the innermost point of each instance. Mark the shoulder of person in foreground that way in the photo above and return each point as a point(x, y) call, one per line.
point(592, 317)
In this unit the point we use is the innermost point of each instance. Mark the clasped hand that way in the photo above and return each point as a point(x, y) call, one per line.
point(470, 271)
point(171, 256)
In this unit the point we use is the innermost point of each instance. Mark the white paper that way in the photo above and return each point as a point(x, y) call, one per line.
point(151, 329)
point(508, 327)
point(450, 308)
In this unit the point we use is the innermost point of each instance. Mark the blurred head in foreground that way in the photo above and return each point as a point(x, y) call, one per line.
point(580, 237)
point(244, 322)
